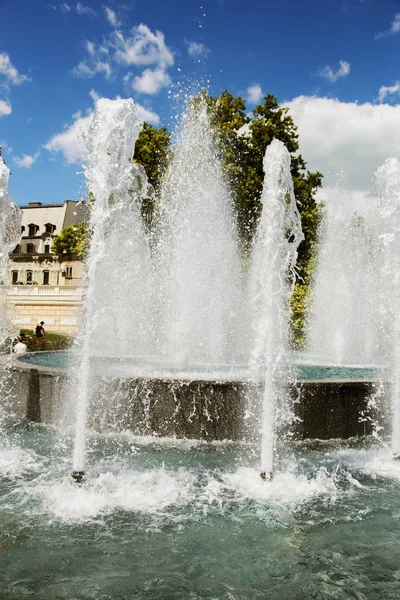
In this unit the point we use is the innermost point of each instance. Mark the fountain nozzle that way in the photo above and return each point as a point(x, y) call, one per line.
point(78, 476)
point(266, 476)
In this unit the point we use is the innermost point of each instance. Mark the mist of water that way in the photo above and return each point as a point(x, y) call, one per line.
point(271, 284)
point(201, 304)
point(181, 300)
point(344, 327)
point(118, 266)
point(388, 186)
point(10, 235)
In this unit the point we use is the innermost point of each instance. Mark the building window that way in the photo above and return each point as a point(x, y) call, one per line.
point(50, 228)
point(17, 249)
point(22, 228)
point(46, 277)
point(29, 276)
point(47, 248)
point(30, 248)
point(68, 272)
point(14, 275)
point(33, 229)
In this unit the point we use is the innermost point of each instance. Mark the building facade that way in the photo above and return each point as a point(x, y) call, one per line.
point(33, 263)
point(43, 286)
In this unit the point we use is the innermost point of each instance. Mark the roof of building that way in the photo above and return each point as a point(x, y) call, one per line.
point(59, 215)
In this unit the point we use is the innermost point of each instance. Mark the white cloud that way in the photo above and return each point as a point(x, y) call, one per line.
point(111, 17)
point(78, 8)
point(394, 28)
point(333, 76)
point(70, 141)
point(143, 47)
point(197, 50)
point(254, 94)
point(90, 47)
point(151, 81)
point(81, 9)
point(5, 108)
point(147, 115)
point(345, 136)
point(26, 160)
point(84, 71)
point(10, 72)
point(388, 90)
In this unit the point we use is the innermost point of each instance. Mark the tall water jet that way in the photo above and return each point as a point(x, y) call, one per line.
point(118, 266)
point(198, 260)
point(343, 325)
point(388, 186)
point(10, 235)
point(272, 279)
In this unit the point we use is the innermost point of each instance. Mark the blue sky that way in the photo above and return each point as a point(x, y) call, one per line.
point(335, 64)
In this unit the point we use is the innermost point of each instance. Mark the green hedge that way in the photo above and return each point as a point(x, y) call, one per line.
point(52, 341)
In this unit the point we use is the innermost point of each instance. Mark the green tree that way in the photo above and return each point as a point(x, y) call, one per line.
point(72, 242)
point(152, 153)
point(244, 140)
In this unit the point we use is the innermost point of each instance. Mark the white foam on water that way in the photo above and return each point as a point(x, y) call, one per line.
point(375, 463)
point(16, 462)
point(144, 492)
point(163, 441)
point(286, 488)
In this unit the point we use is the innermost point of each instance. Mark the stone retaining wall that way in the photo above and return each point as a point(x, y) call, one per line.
point(192, 409)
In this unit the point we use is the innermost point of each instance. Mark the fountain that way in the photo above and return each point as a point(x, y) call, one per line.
point(197, 292)
point(181, 518)
point(118, 266)
point(200, 293)
point(176, 332)
point(344, 324)
point(271, 284)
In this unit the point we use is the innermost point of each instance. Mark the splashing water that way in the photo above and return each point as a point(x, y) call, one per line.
point(271, 284)
point(388, 185)
point(344, 324)
point(193, 312)
point(118, 267)
point(10, 235)
point(198, 262)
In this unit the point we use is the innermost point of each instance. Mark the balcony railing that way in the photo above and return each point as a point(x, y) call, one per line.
point(44, 290)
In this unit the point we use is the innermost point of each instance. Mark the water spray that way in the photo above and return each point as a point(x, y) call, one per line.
point(115, 183)
point(271, 285)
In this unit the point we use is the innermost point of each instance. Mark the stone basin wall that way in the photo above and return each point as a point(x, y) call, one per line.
point(208, 410)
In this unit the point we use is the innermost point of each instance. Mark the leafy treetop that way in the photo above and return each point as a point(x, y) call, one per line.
point(72, 242)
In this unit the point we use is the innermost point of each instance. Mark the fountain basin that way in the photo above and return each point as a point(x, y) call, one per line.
point(202, 405)
point(161, 519)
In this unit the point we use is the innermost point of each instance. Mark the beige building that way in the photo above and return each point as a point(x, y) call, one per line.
point(44, 287)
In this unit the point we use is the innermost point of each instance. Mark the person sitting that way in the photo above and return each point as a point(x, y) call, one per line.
point(20, 347)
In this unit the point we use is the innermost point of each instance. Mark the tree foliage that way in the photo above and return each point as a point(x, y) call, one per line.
point(244, 140)
point(152, 153)
point(72, 242)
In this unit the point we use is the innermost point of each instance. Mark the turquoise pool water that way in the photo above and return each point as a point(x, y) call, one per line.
point(66, 360)
point(175, 520)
